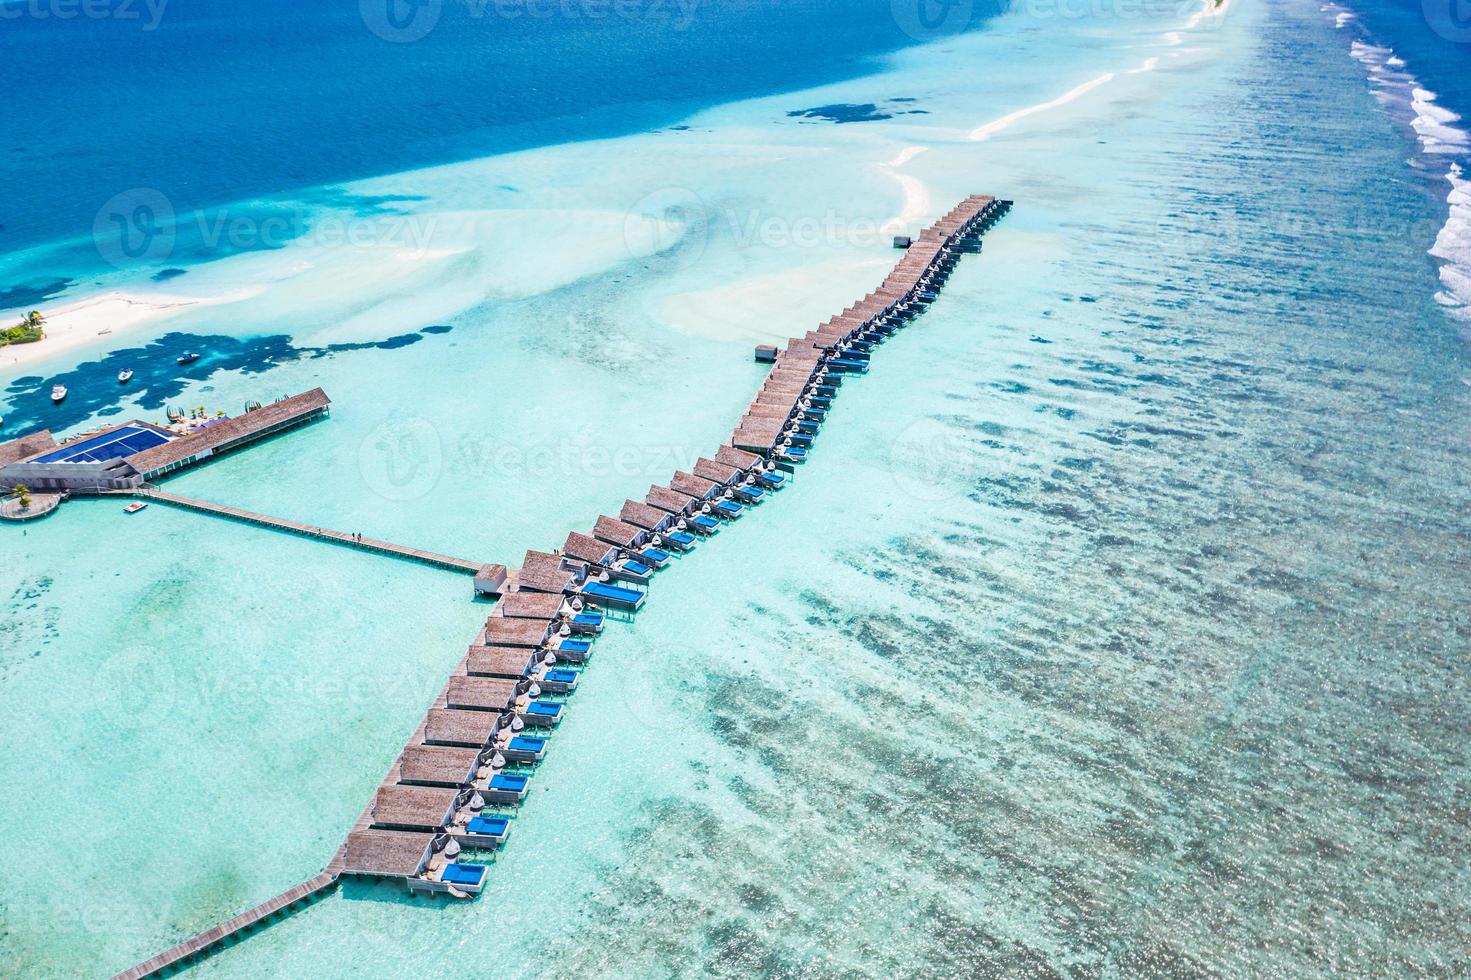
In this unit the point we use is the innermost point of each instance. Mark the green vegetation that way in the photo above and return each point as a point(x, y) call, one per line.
point(27, 331)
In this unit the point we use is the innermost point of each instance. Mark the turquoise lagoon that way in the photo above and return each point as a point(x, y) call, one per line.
point(1117, 626)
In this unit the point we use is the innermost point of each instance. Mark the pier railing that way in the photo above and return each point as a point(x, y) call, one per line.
point(152, 493)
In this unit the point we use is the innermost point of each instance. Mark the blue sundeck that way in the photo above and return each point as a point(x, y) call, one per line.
point(505, 788)
point(655, 557)
point(801, 439)
point(705, 523)
point(574, 646)
point(469, 877)
point(588, 622)
point(847, 365)
point(682, 540)
point(525, 748)
point(488, 831)
point(728, 508)
point(612, 595)
point(772, 479)
point(750, 494)
point(541, 713)
point(635, 568)
point(559, 681)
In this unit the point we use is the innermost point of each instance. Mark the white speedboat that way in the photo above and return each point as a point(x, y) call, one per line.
point(188, 357)
point(58, 392)
point(124, 376)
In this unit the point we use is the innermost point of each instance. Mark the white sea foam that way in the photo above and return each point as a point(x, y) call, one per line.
point(1173, 38)
point(1005, 122)
point(1438, 136)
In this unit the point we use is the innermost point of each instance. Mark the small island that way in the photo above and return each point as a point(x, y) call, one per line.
point(29, 330)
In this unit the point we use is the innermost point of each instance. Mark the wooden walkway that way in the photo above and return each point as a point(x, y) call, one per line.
point(765, 439)
point(213, 937)
point(307, 530)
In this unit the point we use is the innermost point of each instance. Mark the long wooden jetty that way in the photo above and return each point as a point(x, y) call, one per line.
point(310, 531)
point(213, 937)
point(473, 754)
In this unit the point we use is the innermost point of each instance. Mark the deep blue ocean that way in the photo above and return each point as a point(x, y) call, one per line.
point(1434, 36)
point(223, 101)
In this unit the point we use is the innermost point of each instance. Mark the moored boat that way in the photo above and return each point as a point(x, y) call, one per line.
point(124, 376)
point(188, 357)
point(58, 392)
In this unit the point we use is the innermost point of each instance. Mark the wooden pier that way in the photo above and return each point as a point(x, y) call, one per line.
point(215, 936)
point(492, 694)
point(310, 531)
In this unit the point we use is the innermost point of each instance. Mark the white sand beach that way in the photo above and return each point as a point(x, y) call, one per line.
point(98, 319)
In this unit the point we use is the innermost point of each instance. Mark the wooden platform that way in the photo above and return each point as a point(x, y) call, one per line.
point(213, 937)
point(307, 530)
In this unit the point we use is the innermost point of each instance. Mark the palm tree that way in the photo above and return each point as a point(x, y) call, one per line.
point(19, 490)
point(34, 318)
